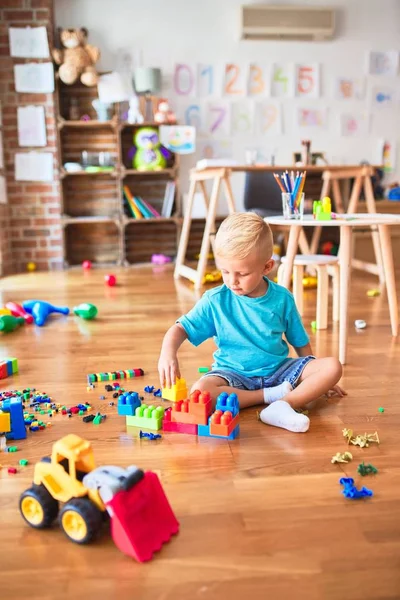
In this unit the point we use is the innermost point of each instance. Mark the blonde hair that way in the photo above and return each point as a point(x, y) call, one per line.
point(241, 233)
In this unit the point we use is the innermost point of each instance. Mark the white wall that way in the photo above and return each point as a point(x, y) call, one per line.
point(163, 32)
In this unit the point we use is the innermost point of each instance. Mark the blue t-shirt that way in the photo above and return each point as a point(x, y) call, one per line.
point(247, 331)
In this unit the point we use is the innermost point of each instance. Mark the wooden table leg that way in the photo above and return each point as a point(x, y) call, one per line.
point(228, 191)
point(208, 230)
point(345, 276)
point(184, 238)
point(291, 252)
point(388, 266)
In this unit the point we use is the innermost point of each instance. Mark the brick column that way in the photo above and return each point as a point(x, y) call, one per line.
point(33, 207)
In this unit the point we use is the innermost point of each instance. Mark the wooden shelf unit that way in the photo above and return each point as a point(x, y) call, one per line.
point(95, 223)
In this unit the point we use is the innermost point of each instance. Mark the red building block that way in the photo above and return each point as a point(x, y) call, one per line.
point(223, 423)
point(178, 426)
point(142, 518)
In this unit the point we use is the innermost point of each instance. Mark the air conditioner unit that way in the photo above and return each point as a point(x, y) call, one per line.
point(266, 22)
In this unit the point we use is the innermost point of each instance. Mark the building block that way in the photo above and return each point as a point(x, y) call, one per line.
point(8, 366)
point(177, 392)
point(228, 402)
point(14, 407)
point(223, 423)
point(128, 403)
point(176, 426)
point(204, 431)
point(322, 209)
point(147, 417)
point(5, 422)
point(195, 410)
point(113, 375)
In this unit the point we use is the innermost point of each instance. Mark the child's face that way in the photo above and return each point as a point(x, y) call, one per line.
point(245, 276)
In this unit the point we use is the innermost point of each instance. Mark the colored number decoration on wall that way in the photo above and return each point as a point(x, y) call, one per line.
point(307, 81)
point(218, 119)
point(184, 80)
point(205, 80)
point(258, 80)
point(268, 118)
point(235, 80)
point(242, 117)
point(282, 78)
point(193, 117)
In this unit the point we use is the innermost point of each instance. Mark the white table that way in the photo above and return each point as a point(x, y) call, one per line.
point(346, 224)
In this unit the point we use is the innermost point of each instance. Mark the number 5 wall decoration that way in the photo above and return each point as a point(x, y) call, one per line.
point(307, 81)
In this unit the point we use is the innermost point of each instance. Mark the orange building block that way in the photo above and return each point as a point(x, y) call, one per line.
point(223, 423)
point(195, 410)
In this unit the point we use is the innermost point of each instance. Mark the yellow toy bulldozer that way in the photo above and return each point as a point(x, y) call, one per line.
point(65, 478)
point(141, 518)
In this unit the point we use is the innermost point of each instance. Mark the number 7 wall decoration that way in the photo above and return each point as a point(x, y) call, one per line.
point(218, 118)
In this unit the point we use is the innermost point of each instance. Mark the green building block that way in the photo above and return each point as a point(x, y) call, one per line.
point(97, 420)
point(203, 369)
point(12, 449)
point(147, 417)
point(23, 462)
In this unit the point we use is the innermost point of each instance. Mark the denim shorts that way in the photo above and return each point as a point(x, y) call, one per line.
point(289, 371)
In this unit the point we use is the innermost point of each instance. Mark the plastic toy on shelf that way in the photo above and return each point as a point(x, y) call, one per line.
point(141, 517)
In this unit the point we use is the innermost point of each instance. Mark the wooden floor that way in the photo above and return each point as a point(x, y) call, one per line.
point(262, 517)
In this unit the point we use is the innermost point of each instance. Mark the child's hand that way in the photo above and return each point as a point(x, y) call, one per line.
point(168, 369)
point(336, 391)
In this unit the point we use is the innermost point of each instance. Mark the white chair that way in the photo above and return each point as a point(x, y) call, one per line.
point(325, 265)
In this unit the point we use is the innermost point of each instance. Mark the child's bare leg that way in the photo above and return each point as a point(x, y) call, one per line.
point(216, 385)
point(318, 377)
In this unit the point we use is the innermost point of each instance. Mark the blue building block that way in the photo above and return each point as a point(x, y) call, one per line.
point(15, 408)
point(228, 402)
point(128, 403)
point(204, 431)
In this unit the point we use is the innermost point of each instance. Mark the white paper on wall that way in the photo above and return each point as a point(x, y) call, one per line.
point(282, 80)
point(383, 96)
point(312, 118)
point(353, 124)
point(218, 118)
point(268, 118)
point(34, 166)
point(259, 80)
point(242, 117)
point(3, 190)
point(34, 78)
point(308, 81)
point(28, 42)
point(206, 80)
point(383, 63)
point(31, 126)
point(235, 80)
point(347, 88)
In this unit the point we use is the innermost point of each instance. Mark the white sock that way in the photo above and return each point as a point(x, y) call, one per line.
point(277, 392)
point(281, 414)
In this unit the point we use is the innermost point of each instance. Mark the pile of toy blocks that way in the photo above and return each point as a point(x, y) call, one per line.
point(193, 415)
point(8, 366)
point(113, 375)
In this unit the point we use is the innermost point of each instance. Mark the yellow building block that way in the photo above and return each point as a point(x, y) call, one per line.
point(177, 392)
point(5, 423)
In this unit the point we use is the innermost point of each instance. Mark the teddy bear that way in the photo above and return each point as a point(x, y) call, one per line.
point(164, 114)
point(76, 58)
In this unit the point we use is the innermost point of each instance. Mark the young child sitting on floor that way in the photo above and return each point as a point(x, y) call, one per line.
point(247, 317)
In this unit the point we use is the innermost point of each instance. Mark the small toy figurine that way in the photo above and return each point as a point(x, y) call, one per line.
point(342, 457)
point(164, 114)
point(110, 280)
point(86, 311)
point(9, 323)
point(364, 470)
point(134, 114)
point(350, 490)
point(18, 311)
point(148, 154)
point(40, 310)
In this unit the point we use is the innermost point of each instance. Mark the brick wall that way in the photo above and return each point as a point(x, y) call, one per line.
point(33, 212)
